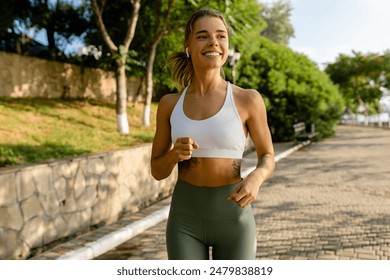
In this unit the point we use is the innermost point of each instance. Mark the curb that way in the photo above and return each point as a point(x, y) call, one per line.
point(114, 239)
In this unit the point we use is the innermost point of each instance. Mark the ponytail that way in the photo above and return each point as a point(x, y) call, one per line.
point(182, 69)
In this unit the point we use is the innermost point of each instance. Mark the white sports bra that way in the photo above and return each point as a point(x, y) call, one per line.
point(220, 136)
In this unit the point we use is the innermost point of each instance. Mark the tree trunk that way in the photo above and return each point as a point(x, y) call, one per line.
point(51, 42)
point(121, 97)
point(121, 92)
point(138, 93)
point(149, 85)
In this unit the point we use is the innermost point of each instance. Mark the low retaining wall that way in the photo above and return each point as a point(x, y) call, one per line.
point(45, 202)
point(24, 76)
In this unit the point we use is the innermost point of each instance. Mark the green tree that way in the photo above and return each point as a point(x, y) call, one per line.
point(127, 14)
point(62, 20)
point(12, 12)
point(279, 28)
point(14, 23)
point(362, 79)
point(293, 87)
point(156, 23)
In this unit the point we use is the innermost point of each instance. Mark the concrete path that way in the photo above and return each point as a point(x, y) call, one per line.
point(329, 200)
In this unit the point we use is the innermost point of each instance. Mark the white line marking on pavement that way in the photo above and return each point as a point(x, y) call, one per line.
point(112, 240)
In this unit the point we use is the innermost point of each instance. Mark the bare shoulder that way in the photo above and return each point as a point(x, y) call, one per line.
point(169, 99)
point(248, 98)
point(168, 102)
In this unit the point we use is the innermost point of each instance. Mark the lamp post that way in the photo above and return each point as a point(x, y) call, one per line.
point(233, 57)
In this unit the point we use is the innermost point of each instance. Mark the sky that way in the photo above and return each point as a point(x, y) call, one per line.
point(326, 28)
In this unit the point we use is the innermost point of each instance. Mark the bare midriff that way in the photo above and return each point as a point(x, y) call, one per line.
point(210, 172)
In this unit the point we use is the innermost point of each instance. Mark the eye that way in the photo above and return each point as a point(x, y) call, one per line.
point(203, 36)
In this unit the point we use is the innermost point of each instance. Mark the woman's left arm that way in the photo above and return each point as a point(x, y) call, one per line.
point(256, 122)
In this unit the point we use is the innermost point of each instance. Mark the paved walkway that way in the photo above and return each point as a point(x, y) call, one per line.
point(329, 200)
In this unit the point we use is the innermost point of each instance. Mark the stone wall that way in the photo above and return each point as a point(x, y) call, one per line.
point(24, 76)
point(44, 202)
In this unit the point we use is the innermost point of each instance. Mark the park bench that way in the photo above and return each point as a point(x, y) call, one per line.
point(301, 133)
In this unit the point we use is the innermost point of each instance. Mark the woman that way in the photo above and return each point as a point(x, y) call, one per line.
point(204, 130)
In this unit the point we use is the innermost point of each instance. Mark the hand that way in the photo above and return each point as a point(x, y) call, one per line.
point(183, 148)
point(246, 192)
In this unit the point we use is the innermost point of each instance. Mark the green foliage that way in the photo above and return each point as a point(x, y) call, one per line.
point(21, 154)
point(279, 28)
point(171, 43)
point(8, 157)
point(160, 22)
point(14, 14)
point(63, 22)
point(115, 16)
point(293, 87)
point(361, 78)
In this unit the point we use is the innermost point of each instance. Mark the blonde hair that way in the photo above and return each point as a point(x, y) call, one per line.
point(182, 68)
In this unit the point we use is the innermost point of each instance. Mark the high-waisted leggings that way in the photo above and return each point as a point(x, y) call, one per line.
point(203, 217)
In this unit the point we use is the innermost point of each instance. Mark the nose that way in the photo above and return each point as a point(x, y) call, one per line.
point(213, 41)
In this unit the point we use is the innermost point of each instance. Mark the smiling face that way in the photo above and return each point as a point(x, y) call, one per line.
point(208, 43)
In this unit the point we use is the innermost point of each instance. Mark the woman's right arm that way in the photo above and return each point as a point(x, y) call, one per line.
point(165, 156)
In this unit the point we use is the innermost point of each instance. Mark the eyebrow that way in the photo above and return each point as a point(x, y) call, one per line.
point(205, 31)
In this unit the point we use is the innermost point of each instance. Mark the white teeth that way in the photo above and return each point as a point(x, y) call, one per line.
point(211, 54)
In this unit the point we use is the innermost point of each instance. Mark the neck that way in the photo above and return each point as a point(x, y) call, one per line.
point(206, 83)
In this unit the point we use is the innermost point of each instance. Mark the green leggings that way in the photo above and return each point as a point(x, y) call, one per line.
point(202, 217)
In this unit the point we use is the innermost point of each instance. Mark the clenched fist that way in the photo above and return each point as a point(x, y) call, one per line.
point(183, 148)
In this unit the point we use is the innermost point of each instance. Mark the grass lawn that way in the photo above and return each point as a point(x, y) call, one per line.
point(36, 129)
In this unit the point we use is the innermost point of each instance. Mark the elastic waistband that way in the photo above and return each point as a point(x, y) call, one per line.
point(206, 202)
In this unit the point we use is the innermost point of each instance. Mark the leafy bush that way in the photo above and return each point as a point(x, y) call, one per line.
point(8, 157)
point(293, 88)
